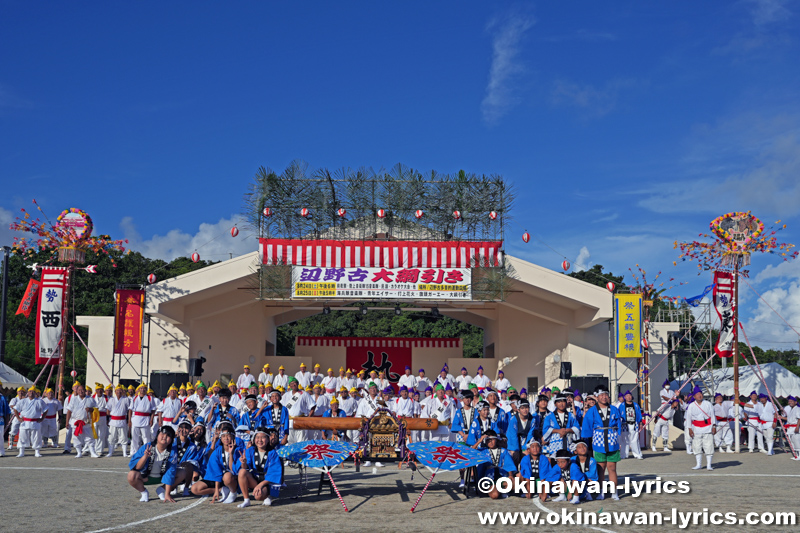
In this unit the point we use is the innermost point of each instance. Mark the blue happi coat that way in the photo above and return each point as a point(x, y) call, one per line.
point(272, 470)
point(605, 435)
point(504, 467)
point(526, 468)
point(172, 467)
point(283, 427)
point(515, 442)
point(553, 442)
point(217, 467)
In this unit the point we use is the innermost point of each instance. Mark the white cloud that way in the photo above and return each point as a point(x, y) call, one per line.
point(764, 26)
point(582, 261)
point(212, 241)
point(595, 101)
point(507, 32)
point(7, 234)
point(767, 329)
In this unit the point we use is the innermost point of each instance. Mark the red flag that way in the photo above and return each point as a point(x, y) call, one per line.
point(30, 299)
point(128, 321)
point(51, 315)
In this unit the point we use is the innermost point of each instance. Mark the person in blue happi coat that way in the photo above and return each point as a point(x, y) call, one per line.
point(568, 473)
point(187, 453)
point(277, 416)
point(462, 423)
point(479, 426)
point(533, 468)
point(604, 422)
point(496, 413)
point(587, 465)
point(189, 412)
point(521, 426)
point(586, 433)
point(631, 415)
point(259, 469)
point(560, 427)
point(220, 479)
point(333, 412)
point(156, 463)
point(499, 465)
point(224, 412)
point(252, 416)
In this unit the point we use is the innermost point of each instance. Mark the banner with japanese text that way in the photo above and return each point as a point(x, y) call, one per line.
point(29, 299)
point(128, 320)
point(388, 355)
point(628, 325)
point(50, 321)
point(376, 283)
point(724, 304)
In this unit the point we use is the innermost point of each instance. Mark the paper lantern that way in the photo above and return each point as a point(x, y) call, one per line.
point(151, 278)
point(645, 344)
point(526, 237)
point(234, 231)
point(418, 213)
point(304, 212)
point(73, 373)
point(565, 265)
point(493, 215)
point(610, 286)
point(341, 212)
point(381, 213)
point(195, 257)
point(457, 214)
point(267, 212)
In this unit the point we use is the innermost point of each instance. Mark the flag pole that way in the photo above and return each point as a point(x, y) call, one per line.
point(737, 428)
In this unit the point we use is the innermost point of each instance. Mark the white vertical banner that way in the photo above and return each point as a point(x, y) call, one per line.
point(724, 303)
point(50, 321)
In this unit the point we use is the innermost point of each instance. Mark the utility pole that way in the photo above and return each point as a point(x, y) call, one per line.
point(4, 303)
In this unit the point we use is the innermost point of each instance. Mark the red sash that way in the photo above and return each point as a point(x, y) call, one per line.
point(30, 419)
point(51, 417)
point(118, 417)
point(701, 423)
point(137, 413)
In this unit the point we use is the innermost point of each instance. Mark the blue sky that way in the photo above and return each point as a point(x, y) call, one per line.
point(623, 126)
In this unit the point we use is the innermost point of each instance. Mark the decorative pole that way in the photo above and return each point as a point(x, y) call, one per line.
point(737, 434)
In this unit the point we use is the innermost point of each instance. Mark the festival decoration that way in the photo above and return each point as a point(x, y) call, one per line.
point(195, 257)
point(436, 456)
point(565, 265)
point(645, 343)
point(70, 236)
point(74, 374)
point(151, 278)
point(341, 212)
point(737, 234)
point(234, 231)
point(418, 213)
point(526, 237)
point(304, 212)
point(52, 307)
point(381, 213)
point(128, 320)
point(322, 455)
point(456, 214)
point(267, 212)
point(651, 292)
point(610, 286)
point(91, 269)
point(493, 215)
point(29, 298)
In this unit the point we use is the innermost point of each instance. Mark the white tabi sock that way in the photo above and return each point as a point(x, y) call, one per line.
point(699, 465)
point(145, 496)
point(245, 503)
point(708, 461)
point(231, 498)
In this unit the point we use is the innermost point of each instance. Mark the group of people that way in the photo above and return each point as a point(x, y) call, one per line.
point(222, 441)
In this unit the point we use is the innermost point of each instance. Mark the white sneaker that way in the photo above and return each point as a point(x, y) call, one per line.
point(108, 454)
point(367, 463)
point(729, 450)
point(95, 456)
point(653, 448)
point(267, 502)
point(639, 457)
point(559, 498)
point(698, 467)
point(160, 491)
point(668, 450)
point(763, 451)
point(615, 497)
point(145, 497)
point(37, 454)
point(709, 468)
point(79, 455)
point(575, 500)
point(796, 458)
point(378, 464)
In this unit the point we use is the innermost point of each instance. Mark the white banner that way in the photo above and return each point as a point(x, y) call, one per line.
point(50, 320)
point(723, 301)
point(382, 283)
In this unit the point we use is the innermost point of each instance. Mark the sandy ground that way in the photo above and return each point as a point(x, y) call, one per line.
point(61, 493)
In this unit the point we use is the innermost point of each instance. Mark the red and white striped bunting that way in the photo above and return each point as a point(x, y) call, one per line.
point(380, 342)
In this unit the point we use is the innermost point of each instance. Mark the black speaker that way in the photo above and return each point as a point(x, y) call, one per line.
point(160, 381)
point(196, 366)
point(566, 371)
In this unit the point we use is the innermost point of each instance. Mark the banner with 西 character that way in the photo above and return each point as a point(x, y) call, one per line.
point(128, 320)
point(50, 321)
point(724, 304)
point(378, 283)
point(628, 325)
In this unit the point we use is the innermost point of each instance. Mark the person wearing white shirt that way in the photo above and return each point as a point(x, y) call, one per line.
point(101, 426)
point(265, 376)
point(50, 423)
point(791, 416)
point(367, 407)
point(79, 409)
point(463, 380)
point(15, 422)
point(422, 381)
point(721, 420)
point(501, 383)
point(330, 384)
point(443, 379)
point(663, 418)
point(403, 405)
point(700, 418)
point(666, 394)
point(298, 404)
point(752, 410)
point(348, 381)
point(169, 409)
point(119, 410)
point(407, 380)
point(442, 409)
point(245, 378)
point(768, 421)
point(480, 380)
point(142, 413)
point(237, 399)
point(280, 379)
point(30, 412)
point(303, 376)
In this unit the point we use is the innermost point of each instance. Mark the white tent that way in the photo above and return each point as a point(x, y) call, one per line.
point(780, 381)
point(12, 379)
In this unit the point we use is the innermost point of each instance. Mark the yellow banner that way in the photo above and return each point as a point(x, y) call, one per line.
point(628, 325)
